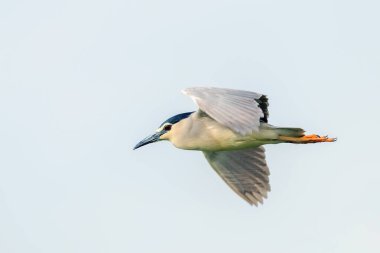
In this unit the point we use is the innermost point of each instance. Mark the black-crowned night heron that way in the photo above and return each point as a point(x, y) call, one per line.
point(230, 128)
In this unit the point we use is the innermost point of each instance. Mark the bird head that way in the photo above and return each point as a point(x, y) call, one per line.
point(164, 131)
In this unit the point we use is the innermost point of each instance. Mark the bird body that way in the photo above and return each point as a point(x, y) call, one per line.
point(205, 134)
point(230, 128)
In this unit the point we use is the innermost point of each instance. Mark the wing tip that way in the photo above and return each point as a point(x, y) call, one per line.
point(189, 90)
point(254, 198)
point(185, 91)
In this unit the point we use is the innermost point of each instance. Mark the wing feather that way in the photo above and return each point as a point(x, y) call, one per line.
point(238, 110)
point(245, 171)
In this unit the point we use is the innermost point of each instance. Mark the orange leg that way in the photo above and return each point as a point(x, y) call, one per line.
point(313, 138)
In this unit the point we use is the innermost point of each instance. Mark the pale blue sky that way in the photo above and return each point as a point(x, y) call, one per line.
point(81, 82)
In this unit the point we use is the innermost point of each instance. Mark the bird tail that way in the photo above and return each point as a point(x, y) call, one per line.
point(290, 131)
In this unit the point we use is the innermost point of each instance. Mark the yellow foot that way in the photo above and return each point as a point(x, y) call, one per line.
point(313, 138)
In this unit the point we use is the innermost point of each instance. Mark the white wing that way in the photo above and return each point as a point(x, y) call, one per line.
point(245, 171)
point(235, 109)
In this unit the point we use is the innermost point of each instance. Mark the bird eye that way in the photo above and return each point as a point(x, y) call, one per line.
point(167, 127)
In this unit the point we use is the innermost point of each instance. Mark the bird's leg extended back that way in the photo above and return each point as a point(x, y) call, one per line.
point(313, 138)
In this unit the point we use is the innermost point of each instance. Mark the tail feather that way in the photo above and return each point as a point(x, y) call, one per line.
point(290, 131)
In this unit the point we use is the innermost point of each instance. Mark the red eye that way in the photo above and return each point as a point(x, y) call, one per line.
point(167, 127)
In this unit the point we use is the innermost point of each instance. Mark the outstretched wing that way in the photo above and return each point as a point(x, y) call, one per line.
point(241, 111)
point(245, 171)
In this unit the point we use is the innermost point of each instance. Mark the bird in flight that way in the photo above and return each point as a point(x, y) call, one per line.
point(230, 127)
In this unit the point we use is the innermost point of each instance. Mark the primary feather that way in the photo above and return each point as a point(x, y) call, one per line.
point(245, 171)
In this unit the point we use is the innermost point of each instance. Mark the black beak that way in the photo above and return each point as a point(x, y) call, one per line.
point(150, 139)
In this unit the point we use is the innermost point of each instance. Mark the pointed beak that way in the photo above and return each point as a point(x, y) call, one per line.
point(150, 139)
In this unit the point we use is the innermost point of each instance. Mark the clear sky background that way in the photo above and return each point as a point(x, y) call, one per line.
point(81, 82)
